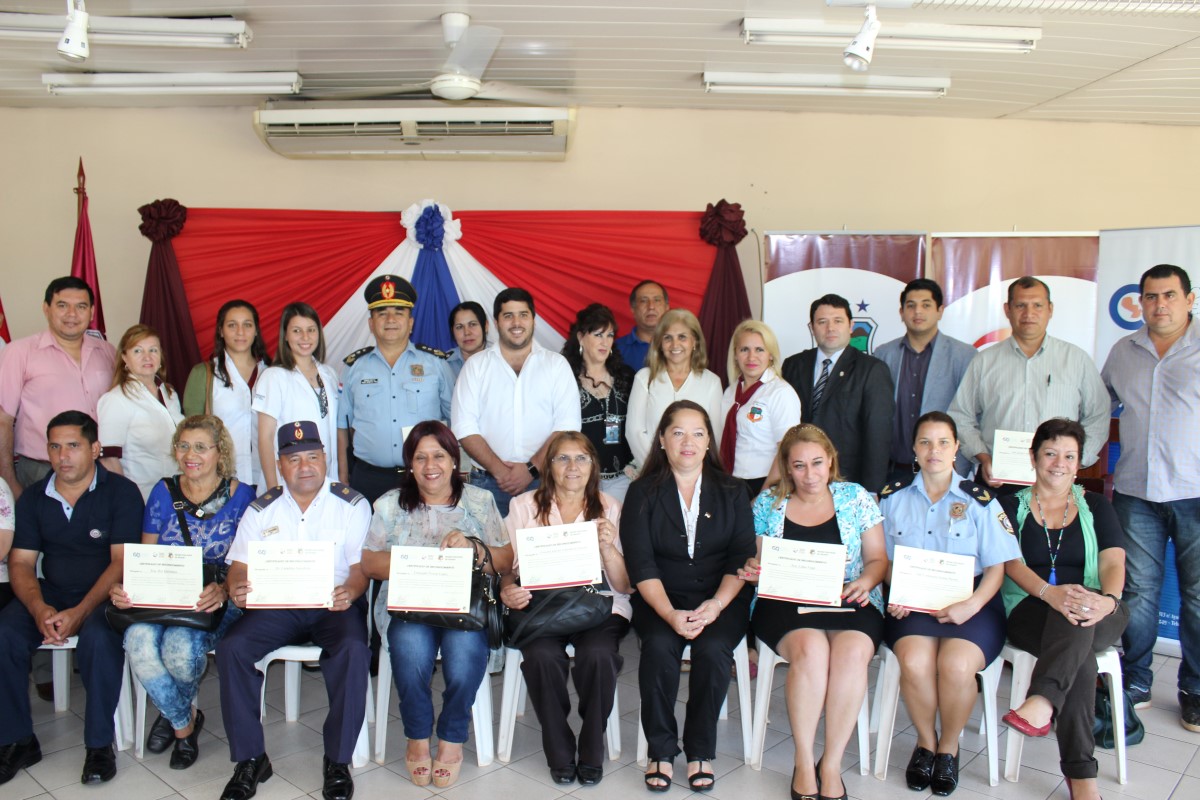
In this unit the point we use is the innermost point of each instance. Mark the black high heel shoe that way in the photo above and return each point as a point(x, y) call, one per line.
point(796, 795)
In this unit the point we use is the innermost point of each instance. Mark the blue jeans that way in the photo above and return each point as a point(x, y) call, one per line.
point(414, 649)
point(169, 660)
point(484, 480)
point(1148, 526)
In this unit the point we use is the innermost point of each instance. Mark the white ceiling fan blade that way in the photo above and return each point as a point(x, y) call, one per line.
point(473, 51)
point(359, 93)
point(507, 92)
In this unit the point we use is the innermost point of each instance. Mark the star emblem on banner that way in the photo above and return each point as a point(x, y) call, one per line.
point(862, 305)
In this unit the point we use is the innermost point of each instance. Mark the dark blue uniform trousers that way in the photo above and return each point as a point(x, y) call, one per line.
point(99, 655)
point(345, 658)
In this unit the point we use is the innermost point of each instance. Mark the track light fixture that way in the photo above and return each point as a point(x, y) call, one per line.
point(73, 46)
point(857, 55)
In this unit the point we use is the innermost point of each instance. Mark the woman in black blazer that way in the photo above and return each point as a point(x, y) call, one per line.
point(686, 529)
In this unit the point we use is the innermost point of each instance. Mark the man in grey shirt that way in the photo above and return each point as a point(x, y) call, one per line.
point(1154, 373)
point(927, 367)
point(1021, 382)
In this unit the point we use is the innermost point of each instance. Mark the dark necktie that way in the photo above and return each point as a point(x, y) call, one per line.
point(819, 389)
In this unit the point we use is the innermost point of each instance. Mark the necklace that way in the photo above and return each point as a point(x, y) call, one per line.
point(1054, 550)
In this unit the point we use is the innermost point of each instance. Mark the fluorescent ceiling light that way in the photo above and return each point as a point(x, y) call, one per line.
point(825, 85)
point(149, 31)
point(893, 36)
point(168, 83)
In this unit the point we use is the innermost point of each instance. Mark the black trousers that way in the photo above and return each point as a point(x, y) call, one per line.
point(658, 676)
point(1065, 674)
point(597, 662)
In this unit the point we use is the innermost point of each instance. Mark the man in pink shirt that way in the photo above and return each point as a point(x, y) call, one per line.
point(65, 368)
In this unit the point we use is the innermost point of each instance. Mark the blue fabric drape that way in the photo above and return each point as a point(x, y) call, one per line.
point(436, 293)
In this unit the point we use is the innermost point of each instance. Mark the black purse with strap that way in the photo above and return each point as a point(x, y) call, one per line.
point(556, 612)
point(484, 611)
point(119, 619)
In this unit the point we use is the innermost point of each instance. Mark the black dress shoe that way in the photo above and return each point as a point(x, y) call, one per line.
point(338, 783)
point(589, 776)
point(920, 769)
point(17, 756)
point(945, 774)
point(99, 765)
point(161, 735)
point(247, 775)
point(563, 775)
point(187, 750)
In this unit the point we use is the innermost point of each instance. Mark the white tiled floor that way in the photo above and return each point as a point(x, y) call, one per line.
point(1165, 765)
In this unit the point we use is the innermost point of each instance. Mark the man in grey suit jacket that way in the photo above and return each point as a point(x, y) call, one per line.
point(855, 405)
point(926, 366)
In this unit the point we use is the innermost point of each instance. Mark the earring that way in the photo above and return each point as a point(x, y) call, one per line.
point(580, 349)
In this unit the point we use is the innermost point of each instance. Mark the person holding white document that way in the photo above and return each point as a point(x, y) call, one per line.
point(570, 492)
point(940, 652)
point(433, 508)
point(306, 508)
point(170, 660)
point(827, 651)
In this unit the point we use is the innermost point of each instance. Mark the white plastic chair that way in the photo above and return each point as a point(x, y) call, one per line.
point(887, 699)
point(60, 662)
point(768, 659)
point(1108, 662)
point(293, 656)
point(741, 660)
point(481, 711)
point(512, 705)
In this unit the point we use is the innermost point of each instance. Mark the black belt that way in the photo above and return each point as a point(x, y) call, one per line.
point(369, 467)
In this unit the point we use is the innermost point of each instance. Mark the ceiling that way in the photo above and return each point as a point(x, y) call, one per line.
point(1142, 68)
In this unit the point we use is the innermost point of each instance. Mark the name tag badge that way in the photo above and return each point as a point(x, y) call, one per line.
point(271, 531)
point(612, 430)
point(365, 381)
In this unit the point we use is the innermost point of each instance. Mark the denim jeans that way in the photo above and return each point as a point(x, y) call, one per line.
point(1148, 526)
point(169, 660)
point(484, 480)
point(414, 649)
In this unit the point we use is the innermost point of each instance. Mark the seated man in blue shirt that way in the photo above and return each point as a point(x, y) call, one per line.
point(79, 518)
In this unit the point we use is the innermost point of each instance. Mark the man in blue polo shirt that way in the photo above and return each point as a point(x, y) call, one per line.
point(648, 301)
point(79, 517)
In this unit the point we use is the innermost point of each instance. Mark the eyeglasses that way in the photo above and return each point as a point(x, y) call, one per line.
point(565, 460)
point(199, 448)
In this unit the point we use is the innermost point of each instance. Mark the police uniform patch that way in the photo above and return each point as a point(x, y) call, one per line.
point(344, 492)
point(417, 370)
point(958, 511)
point(424, 348)
point(755, 414)
point(266, 498)
point(357, 354)
point(895, 486)
point(981, 494)
point(1006, 523)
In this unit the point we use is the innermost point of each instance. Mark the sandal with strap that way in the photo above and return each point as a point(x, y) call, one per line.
point(658, 775)
point(701, 774)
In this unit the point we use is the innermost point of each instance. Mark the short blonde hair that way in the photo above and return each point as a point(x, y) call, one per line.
point(805, 433)
point(214, 427)
point(681, 316)
point(769, 341)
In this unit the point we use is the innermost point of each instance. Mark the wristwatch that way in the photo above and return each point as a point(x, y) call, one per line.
point(1116, 601)
point(533, 470)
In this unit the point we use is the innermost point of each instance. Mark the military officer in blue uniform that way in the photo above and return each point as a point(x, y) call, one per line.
point(388, 388)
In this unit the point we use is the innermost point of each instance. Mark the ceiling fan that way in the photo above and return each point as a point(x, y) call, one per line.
point(461, 76)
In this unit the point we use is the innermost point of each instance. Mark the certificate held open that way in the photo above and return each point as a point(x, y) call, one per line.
point(430, 579)
point(1010, 457)
point(163, 576)
point(559, 555)
point(929, 580)
point(290, 575)
point(809, 573)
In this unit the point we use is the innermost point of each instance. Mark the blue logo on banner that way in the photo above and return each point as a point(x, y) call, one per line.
point(1124, 308)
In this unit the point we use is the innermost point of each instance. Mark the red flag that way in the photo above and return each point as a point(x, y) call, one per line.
point(83, 261)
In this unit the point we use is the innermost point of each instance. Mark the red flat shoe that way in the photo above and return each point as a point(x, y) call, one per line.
point(1022, 725)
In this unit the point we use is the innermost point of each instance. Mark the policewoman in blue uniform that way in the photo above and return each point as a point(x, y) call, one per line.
point(386, 389)
point(940, 653)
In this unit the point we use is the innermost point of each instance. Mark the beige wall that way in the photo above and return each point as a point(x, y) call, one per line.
point(789, 171)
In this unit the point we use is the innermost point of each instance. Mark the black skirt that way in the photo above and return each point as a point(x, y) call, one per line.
point(985, 629)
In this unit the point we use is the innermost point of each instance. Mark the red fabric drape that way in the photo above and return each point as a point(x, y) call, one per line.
point(4, 325)
point(272, 257)
point(569, 259)
point(164, 300)
point(725, 300)
point(83, 258)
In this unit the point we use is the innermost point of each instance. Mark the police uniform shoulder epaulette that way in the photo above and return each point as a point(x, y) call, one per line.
point(895, 486)
point(357, 354)
point(344, 492)
point(982, 494)
point(266, 498)
point(433, 351)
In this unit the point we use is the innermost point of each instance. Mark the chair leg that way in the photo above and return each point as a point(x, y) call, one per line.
point(613, 733)
point(643, 747)
point(291, 690)
point(139, 718)
point(741, 659)
point(1022, 674)
point(762, 702)
point(123, 717)
point(887, 699)
point(362, 745)
point(60, 660)
point(481, 717)
point(383, 698)
point(991, 720)
point(510, 699)
point(1109, 665)
point(864, 735)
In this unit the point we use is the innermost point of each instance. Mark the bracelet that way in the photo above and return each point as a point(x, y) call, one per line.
point(1042, 593)
point(1116, 603)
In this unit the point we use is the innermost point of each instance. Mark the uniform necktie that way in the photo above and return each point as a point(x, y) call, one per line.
point(819, 389)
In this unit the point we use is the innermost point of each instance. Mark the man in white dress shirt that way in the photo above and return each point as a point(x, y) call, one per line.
point(509, 400)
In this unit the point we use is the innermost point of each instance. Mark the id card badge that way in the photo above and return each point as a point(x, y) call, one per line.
point(612, 429)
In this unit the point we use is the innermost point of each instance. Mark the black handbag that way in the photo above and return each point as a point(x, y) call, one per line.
point(119, 619)
point(556, 612)
point(1103, 729)
point(484, 611)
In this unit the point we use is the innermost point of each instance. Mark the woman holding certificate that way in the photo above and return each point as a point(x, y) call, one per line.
point(570, 492)
point(941, 650)
point(1063, 598)
point(433, 508)
point(686, 528)
point(827, 650)
point(207, 501)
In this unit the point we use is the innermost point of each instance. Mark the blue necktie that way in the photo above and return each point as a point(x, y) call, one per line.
point(819, 389)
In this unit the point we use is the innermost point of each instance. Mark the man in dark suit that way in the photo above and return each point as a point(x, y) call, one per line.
point(846, 393)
